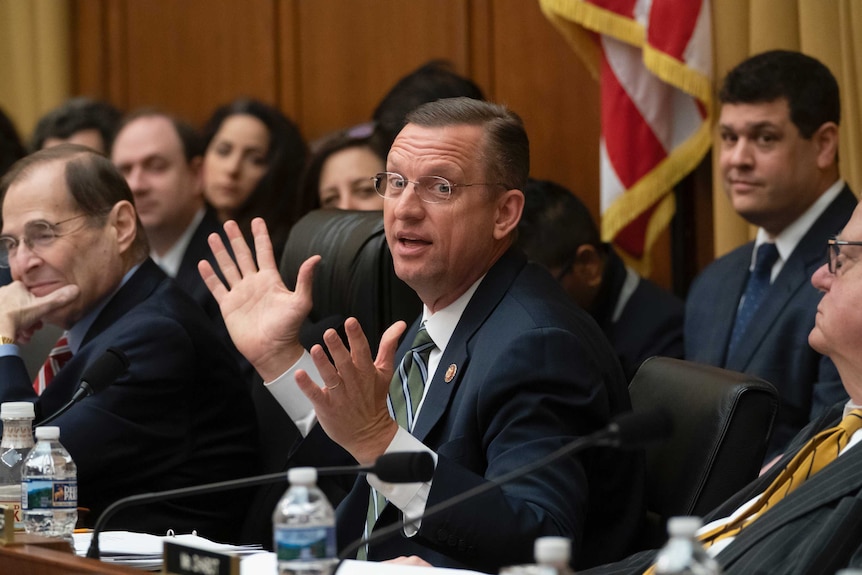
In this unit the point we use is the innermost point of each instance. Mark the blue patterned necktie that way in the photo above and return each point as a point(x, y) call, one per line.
point(405, 394)
point(758, 284)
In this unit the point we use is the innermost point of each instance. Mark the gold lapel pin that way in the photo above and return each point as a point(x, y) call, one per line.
point(450, 373)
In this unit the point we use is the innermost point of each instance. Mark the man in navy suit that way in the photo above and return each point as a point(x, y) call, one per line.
point(180, 416)
point(817, 527)
point(161, 156)
point(515, 370)
point(779, 162)
point(639, 318)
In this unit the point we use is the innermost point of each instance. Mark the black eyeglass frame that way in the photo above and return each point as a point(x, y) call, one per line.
point(833, 250)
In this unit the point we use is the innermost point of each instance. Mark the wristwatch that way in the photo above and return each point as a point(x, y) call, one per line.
point(4, 340)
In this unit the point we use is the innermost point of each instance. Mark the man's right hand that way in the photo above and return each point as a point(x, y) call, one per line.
point(21, 312)
point(262, 316)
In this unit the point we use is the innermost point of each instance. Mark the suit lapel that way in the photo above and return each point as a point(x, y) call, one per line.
point(454, 362)
point(840, 478)
point(727, 304)
point(137, 289)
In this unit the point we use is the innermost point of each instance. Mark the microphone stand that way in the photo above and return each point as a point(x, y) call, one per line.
point(621, 432)
point(384, 532)
point(93, 551)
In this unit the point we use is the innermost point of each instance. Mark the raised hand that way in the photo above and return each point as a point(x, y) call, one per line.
point(351, 407)
point(262, 316)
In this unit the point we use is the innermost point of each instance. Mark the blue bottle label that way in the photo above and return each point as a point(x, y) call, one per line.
point(47, 494)
point(292, 543)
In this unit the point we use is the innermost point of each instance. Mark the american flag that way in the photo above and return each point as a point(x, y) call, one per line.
point(653, 59)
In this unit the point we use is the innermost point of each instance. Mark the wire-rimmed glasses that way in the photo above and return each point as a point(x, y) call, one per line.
point(430, 189)
point(37, 234)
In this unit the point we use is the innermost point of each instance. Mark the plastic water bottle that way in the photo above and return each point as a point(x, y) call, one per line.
point(16, 443)
point(552, 555)
point(49, 487)
point(304, 527)
point(683, 554)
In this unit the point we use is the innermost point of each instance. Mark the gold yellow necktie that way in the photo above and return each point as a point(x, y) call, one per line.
point(820, 451)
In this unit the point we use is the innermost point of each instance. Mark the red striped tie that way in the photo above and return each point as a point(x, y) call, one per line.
point(60, 354)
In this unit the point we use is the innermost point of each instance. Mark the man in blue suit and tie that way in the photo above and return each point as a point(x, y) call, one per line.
point(751, 310)
point(509, 369)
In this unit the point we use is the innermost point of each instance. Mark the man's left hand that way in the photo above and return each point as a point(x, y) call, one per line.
point(351, 407)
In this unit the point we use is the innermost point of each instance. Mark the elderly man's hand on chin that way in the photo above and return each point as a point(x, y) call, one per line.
point(21, 312)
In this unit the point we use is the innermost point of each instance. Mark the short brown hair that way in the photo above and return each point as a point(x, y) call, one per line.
point(506, 148)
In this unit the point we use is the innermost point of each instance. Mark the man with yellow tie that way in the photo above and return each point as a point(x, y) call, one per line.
point(804, 515)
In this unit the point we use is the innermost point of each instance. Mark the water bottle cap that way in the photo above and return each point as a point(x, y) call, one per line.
point(48, 432)
point(552, 550)
point(302, 475)
point(17, 410)
point(685, 526)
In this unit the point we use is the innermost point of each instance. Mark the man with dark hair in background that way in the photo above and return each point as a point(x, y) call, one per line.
point(80, 120)
point(751, 310)
point(429, 82)
point(639, 318)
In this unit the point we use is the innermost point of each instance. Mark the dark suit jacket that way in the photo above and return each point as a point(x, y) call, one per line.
point(775, 346)
point(189, 279)
point(815, 529)
point(180, 416)
point(650, 323)
point(532, 372)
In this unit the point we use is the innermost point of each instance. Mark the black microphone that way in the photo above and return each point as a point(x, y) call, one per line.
point(629, 430)
point(96, 377)
point(396, 467)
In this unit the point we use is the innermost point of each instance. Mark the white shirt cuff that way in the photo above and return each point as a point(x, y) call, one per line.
point(410, 498)
point(292, 400)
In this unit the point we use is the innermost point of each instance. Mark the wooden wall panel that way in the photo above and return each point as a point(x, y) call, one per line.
point(326, 63)
point(192, 55)
point(538, 76)
point(351, 53)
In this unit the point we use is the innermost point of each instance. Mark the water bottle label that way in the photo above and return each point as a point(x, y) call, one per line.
point(47, 494)
point(293, 543)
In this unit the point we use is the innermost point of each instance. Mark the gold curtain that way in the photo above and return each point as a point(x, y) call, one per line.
point(829, 30)
point(34, 58)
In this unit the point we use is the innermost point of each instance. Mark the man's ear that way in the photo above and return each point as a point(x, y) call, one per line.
point(826, 140)
point(509, 208)
point(123, 218)
point(589, 266)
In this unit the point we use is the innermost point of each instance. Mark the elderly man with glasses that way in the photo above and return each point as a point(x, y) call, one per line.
point(500, 369)
point(804, 514)
point(180, 415)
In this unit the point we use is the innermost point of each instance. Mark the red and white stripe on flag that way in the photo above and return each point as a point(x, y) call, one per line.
point(653, 59)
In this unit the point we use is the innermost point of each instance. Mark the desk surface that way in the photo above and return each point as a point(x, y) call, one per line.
point(35, 560)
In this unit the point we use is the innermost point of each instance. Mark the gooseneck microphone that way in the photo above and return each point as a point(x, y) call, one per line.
point(396, 467)
point(96, 377)
point(628, 431)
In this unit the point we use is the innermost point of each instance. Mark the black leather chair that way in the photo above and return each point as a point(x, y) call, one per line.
point(722, 423)
point(355, 278)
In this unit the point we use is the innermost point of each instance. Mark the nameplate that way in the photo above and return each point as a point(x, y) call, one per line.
point(7, 531)
point(181, 559)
